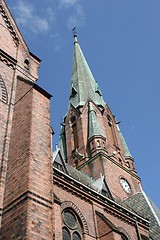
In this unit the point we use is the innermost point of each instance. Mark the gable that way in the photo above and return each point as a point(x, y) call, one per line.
point(9, 39)
point(13, 45)
point(58, 161)
point(6, 39)
point(106, 229)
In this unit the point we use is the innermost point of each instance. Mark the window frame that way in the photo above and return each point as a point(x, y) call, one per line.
point(77, 229)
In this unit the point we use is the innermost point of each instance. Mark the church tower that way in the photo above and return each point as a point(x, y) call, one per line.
point(94, 143)
point(88, 188)
point(94, 172)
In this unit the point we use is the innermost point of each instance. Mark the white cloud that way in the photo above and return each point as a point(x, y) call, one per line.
point(67, 3)
point(77, 19)
point(27, 18)
point(42, 20)
point(58, 42)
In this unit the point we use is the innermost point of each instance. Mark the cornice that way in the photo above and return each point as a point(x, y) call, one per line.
point(9, 24)
point(89, 195)
point(110, 158)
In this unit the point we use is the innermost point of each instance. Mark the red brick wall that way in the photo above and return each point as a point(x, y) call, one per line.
point(96, 226)
point(28, 191)
point(6, 112)
point(13, 53)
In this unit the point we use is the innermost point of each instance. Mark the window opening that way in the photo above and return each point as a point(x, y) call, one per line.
point(75, 135)
point(26, 64)
point(76, 236)
point(70, 219)
point(75, 132)
point(66, 234)
point(71, 226)
point(112, 131)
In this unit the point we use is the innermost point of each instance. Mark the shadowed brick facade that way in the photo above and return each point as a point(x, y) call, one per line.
point(88, 187)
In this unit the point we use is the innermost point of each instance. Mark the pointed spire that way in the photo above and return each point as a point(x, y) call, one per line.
point(83, 84)
point(94, 126)
point(125, 147)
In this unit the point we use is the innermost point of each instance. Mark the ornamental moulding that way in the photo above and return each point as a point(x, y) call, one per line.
point(7, 59)
point(72, 191)
point(9, 25)
point(3, 91)
point(69, 204)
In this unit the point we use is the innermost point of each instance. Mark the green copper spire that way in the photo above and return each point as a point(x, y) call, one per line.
point(94, 126)
point(83, 84)
point(125, 147)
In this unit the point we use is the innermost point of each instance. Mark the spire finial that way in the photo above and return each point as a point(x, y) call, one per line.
point(74, 32)
point(75, 35)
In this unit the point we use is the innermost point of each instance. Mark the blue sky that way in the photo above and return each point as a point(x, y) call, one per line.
point(121, 42)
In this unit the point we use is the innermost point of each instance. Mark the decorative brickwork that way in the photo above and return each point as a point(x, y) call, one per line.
point(4, 94)
point(9, 24)
point(68, 204)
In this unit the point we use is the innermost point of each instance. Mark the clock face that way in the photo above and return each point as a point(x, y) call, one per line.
point(125, 185)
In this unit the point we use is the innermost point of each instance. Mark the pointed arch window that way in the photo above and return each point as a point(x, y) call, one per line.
point(112, 131)
point(71, 226)
point(75, 132)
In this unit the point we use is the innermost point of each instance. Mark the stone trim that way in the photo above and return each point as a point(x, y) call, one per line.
point(110, 158)
point(28, 195)
point(42, 91)
point(69, 204)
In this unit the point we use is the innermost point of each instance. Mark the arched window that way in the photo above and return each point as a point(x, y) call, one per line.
point(75, 132)
point(26, 64)
point(71, 226)
point(112, 131)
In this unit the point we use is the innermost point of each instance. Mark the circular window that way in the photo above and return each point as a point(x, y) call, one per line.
point(70, 219)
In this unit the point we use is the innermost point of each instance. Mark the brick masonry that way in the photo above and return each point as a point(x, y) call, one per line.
point(26, 190)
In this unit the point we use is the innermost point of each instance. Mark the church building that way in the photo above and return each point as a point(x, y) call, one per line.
point(85, 189)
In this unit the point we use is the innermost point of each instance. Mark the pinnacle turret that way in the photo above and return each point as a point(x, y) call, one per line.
point(94, 126)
